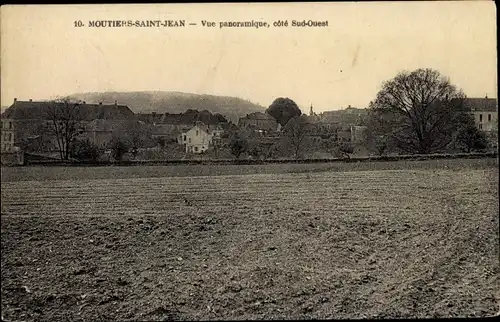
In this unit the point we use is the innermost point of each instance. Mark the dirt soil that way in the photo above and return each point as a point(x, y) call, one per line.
point(415, 243)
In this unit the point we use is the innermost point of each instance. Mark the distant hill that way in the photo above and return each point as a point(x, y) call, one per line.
point(174, 102)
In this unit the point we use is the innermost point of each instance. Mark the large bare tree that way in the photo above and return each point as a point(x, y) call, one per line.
point(296, 130)
point(64, 123)
point(420, 108)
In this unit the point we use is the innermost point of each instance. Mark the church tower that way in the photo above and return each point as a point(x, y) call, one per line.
point(311, 113)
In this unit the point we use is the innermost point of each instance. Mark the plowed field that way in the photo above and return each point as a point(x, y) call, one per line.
point(319, 244)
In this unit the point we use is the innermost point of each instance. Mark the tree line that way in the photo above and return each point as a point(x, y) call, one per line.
point(414, 112)
point(417, 112)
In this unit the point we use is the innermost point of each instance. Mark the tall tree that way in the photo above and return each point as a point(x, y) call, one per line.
point(283, 109)
point(64, 123)
point(136, 134)
point(420, 108)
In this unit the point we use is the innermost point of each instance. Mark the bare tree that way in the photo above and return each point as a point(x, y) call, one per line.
point(296, 130)
point(420, 109)
point(135, 135)
point(216, 145)
point(64, 123)
point(378, 134)
point(238, 144)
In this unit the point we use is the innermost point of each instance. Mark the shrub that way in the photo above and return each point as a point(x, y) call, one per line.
point(118, 148)
point(85, 150)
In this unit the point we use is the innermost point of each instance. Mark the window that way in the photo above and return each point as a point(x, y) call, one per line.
point(489, 117)
point(184, 137)
point(189, 140)
point(196, 132)
point(10, 125)
point(480, 126)
point(480, 117)
point(195, 149)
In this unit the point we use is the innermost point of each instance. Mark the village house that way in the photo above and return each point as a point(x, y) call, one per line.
point(101, 131)
point(350, 115)
point(484, 111)
point(33, 119)
point(10, 154)
point(198, 139)
point(166, 132)
point(485, 114)
point(217, 130)
point(7, 135)
point(358, 133)
point(259, 121)
point(170, 127)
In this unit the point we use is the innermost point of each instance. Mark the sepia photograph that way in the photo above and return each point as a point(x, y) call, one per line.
point(249, 161)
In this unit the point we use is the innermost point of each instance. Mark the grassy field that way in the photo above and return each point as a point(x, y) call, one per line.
point(157, 171)
point(375, 240)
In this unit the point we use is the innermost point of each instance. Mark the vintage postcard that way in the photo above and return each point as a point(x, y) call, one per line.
point(249, 161)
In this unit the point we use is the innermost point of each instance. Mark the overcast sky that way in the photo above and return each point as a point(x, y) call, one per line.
point(43, 55)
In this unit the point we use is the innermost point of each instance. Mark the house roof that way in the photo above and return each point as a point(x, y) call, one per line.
point(86, 112)
point(259, 116)
point(150, 117)
point(164, 129)
point(481, 104)
point(216, 127)
point(103, 125)
point(175, 132)
point(202, 126)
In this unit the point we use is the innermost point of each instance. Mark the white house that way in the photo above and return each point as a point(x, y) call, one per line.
point(484, 111)
point(197, 139)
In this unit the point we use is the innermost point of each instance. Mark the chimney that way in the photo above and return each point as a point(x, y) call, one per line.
point(15, 100)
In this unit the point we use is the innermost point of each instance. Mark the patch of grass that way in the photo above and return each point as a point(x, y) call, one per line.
point(181, 170)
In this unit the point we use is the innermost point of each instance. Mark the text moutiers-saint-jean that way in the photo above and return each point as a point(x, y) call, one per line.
point(183, 23)
point(137, 23)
